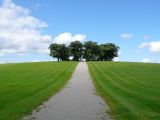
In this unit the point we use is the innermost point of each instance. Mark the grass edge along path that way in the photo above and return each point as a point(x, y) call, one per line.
point(25, 86)
point(130, 89)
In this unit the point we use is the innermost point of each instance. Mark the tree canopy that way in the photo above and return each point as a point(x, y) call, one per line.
point(59, 51)
point(90, 51)
point(107, 52)
point(76, 49)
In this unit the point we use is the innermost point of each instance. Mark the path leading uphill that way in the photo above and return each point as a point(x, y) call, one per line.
point(77, 101)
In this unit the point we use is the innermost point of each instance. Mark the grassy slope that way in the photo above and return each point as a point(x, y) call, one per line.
point(132, 90)
point(25, 86)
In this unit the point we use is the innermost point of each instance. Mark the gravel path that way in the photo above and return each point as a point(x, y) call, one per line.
point(77, 101)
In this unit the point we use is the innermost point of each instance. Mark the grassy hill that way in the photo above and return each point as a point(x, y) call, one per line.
point(24, 86)
point(132, 90)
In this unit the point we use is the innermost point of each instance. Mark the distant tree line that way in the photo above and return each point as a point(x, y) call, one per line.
point(90, 51)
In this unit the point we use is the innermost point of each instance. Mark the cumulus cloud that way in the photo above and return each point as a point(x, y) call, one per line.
point(146, 60)
point(20, 32)
point(66, 38)
point(153, 46)
point(126, 36)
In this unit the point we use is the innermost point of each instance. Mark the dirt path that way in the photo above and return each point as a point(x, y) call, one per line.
point(77, 101)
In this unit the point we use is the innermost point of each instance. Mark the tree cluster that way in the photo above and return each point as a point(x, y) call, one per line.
point(90, 51)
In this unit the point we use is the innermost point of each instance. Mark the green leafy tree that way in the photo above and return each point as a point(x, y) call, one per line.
point(108, 51)
point(55, 51)
point(59, 51)
point(64, 52)
point(91, 50)
point(76, 49)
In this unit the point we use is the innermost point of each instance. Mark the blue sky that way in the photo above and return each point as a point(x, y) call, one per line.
point(132, 25)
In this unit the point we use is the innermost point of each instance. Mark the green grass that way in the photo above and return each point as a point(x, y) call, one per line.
point(132, 90)
point(25, 86)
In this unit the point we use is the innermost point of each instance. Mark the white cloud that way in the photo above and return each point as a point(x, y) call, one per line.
point(146, 60)
point(20, 32)
point(118, 58)
point(36, 60)
point(126, 36)
point(119, 53)
point(66, 38)
point(1, 54)
point(153, 46)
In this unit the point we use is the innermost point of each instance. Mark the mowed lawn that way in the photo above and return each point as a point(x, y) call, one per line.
point(25, 86)
point(132, 90)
